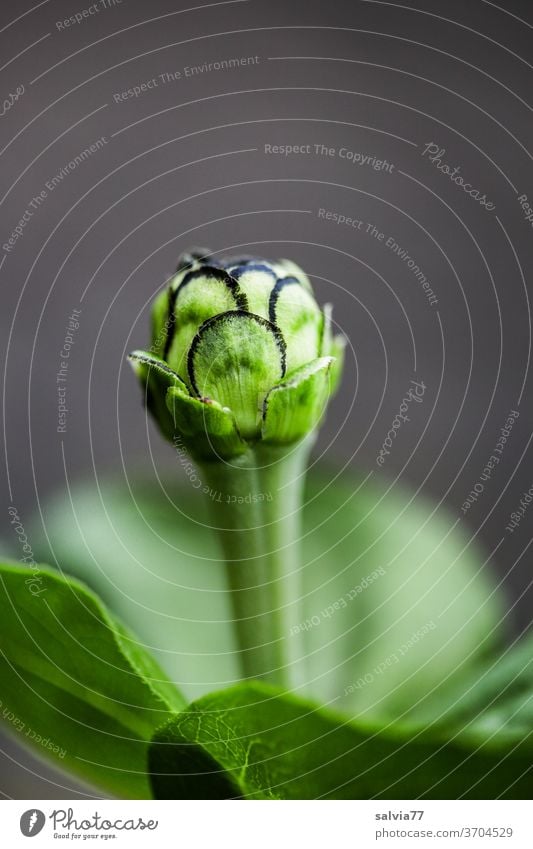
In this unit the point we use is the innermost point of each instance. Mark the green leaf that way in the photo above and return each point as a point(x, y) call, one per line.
point(75, 683)
point(146, 551)
point(495, 699)
point(337, 351)
point(209, 430)
point(255, 742)
point(143, 363)
point(379, 566)
point(156, 377)
point(235, 359)
point(333, 346)
point(399, 603)
point(293, 408)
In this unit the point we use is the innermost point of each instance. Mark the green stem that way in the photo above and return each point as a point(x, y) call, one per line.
point(255, 508)
point(282, 474)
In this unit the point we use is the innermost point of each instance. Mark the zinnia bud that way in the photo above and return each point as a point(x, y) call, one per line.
point(240, 352)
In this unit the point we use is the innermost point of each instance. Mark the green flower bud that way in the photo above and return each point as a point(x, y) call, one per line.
point(240, 352)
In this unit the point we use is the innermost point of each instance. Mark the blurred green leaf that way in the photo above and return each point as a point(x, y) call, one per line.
point(404, 601)
point(397, 604)
point(74, 682)
point(294, 407)
point(255, 742)
point(495, 700)
point(147, 553)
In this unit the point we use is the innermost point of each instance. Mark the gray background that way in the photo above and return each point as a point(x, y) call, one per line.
point(185, 163)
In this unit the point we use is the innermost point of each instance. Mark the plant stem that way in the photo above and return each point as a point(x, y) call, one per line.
point(255, 508)
point(282, 474)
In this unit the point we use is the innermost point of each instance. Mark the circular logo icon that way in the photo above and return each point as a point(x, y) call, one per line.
point(32, 822)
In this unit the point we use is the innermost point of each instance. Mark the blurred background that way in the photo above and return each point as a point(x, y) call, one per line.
point(386, 147)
